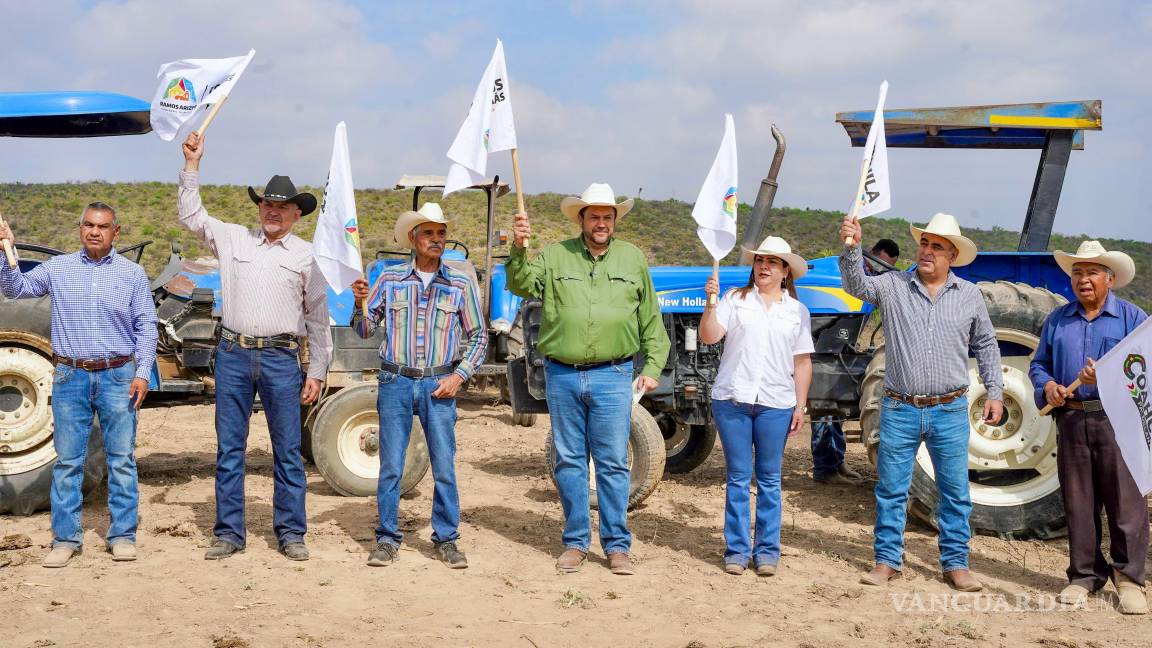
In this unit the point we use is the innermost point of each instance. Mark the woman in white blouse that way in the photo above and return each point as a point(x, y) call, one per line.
point(759, 394)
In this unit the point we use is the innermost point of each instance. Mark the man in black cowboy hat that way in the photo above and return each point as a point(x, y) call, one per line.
point(274, 296)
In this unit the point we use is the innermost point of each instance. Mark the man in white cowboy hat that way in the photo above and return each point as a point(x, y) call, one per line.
point(274, 298)
point(1091, 468)
point(600, 311)
point(426, 308)
point(932, 320)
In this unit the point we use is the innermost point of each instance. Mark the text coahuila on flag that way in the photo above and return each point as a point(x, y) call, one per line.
point(874, 194)
point(188, 87)
point(1124, 378)
point(488, 128)
point(336, 242)
point(715, 208)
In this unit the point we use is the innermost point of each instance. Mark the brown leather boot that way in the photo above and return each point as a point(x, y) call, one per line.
point(880, 575)
point(962, 580)
point(1132, 599)
point(570, 561)
point(620, 564)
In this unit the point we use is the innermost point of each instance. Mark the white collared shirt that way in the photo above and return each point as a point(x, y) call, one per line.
point(760, 345)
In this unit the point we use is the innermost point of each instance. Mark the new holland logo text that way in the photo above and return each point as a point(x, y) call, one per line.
point(179, 96)
point(1136, 371)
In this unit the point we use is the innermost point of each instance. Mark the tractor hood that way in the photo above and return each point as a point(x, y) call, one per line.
point(72, 114)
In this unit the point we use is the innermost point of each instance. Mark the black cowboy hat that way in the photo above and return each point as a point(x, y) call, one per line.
point(281, 188)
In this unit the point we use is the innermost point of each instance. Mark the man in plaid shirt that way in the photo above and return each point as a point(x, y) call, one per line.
point(104, 341)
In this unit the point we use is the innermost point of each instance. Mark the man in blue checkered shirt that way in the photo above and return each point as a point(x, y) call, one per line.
point(104, 345)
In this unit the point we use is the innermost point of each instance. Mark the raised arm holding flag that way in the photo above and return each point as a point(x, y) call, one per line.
point(187, 87)
point(873, 193)
point(715, 208)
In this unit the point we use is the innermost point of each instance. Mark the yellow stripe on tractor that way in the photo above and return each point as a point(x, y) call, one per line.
point(1027, 121)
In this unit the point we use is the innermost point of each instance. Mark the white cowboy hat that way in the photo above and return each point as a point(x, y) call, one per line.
point(1119, 263)
point(945, 225)
point(779, 248)
point(430, 212)
point(597, 193)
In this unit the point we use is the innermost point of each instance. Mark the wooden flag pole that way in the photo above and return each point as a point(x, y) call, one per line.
point(364, 306)
point(8, 248)
point(1048, 408)
point(211, 115)
point(519, 192)
point(712, 299)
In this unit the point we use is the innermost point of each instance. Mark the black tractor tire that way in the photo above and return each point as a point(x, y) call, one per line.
point(645, 459)
point(28, 492)
point(515, 341)
point(686, 446)
point(1029, 508)
point(338, 433)
point(306, 424)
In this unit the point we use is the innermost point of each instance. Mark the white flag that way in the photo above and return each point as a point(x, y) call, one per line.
point(487, 129)
point(1124, 378)
point(336, 242)
point(715, 208)
point(188, 87)
point(876, 196)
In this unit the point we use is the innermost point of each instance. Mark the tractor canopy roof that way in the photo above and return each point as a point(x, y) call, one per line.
point(72, 114)
point(1004, 126)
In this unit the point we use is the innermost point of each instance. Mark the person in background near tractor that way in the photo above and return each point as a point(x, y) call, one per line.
point(104, 341)
point(758, 399)
point(274, 297)
point(600, 310)
point(932, 319)
point(828, 442)
point(1091, 468)
point(426, 309)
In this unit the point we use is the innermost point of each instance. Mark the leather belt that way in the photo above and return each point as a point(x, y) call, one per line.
point(591, 365)
point(923, 401)
point(285, 341)
point(417, 372)
point(1083, 405)
point(93, 365)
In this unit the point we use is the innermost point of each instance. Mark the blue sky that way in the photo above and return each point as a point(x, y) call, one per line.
point(627, 93)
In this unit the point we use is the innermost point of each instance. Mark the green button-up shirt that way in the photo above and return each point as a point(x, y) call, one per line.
point(595, 309)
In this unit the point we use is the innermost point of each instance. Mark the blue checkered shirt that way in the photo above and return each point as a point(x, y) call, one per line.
point(100, 309)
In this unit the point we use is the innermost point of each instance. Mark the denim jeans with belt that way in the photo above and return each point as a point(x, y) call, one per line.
point(591, 413)
point(78, 395)
point(275, 374)
point(753, 437)
point(944, 430)
point(398, 398)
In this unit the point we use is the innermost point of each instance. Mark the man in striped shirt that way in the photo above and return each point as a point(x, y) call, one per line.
point(932, 319)
point(427, 309)
point(104, 341)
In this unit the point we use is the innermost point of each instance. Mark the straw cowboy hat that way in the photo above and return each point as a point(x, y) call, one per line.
point(1119, 263)
point(779, 248)
point(281, 188)
point(945, 225)
point(597, 194)
point(429, 212)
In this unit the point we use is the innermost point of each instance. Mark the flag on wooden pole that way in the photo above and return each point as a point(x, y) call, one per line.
point(875, 193)
point(1124, 379)
point(715, 208)
point(188, 87)
point(336, 242)
point(488, 128)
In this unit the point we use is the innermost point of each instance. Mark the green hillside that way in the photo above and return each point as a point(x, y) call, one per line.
point(47, 214)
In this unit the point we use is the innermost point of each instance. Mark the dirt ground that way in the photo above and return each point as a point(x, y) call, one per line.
point(511, 595)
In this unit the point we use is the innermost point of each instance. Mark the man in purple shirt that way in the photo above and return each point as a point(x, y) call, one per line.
point(1091, 468)
point(104, 345)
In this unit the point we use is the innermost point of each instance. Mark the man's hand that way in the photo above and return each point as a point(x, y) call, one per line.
point(448, 387)
point(137, 391)
point(6, 232)
point(1087, 375)
point(1054, 393)
point(993, 411)
point(850, 229)
point(193, 150)
point(521, 230)
point(360, 292)
point(797, 420)
point(311, 389)
point(648, 383)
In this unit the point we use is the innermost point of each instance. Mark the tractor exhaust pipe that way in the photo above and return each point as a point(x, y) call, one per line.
point(753, 234)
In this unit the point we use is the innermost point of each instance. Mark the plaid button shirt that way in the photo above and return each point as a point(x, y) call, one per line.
point(100, 309)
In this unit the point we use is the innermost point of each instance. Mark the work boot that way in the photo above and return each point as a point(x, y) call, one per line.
point(1073, 594)
point(880, 575)
point(835, 478)
point(450, 555)
point(620, 564)
point(385, 554)
point(765, 569)
point(734, 568)
point(221, 549)
point(123, 551)
point(295, 551)
point(1132, 599)
point(962, 580)
point(848, 473)
point(60, 556)
point(570, 561)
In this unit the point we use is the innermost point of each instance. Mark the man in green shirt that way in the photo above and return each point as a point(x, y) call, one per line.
point(600, 311)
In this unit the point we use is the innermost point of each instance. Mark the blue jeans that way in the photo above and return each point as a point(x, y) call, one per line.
point(753, 438)
point(79, 395)
point(944, 429)
point(398, 398)
point(827, 447)
point(591, 414)
point(275, 374)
